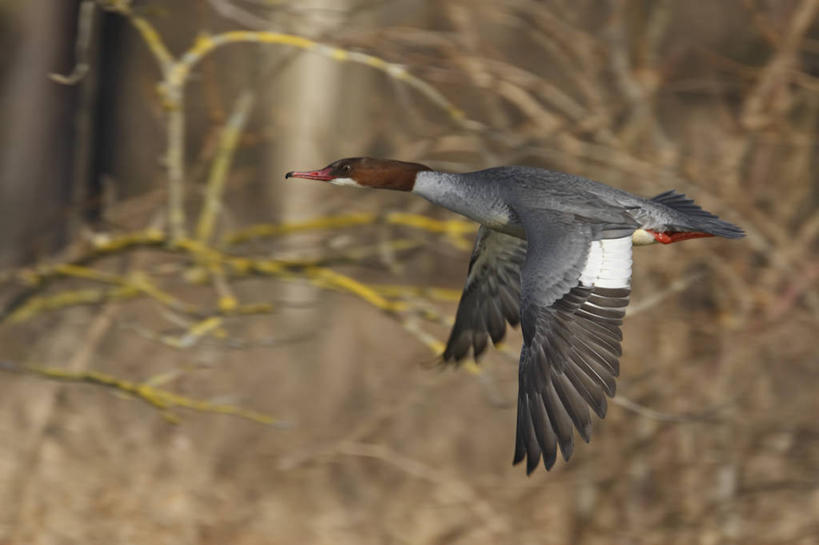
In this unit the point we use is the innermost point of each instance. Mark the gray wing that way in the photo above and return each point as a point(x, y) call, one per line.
point(491, 296)
point(575, 287)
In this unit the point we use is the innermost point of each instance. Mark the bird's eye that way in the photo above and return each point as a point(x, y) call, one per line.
point(348, 168)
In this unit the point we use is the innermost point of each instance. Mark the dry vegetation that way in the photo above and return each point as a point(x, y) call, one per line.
point(309, 315)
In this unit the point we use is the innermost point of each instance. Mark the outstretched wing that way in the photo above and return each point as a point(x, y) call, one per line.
point(575, 287)
point(491, 296)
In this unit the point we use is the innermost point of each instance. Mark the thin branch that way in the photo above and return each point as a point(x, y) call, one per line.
point(706, 414)
point(85, 22)
point(71, 298)
point(453, 227)
point(766, 99)
point(26, 305)
point(149, 34)
point(156, 397)
point(221, 164)
point(652, 300)
point(449, 484)
point(205, 44)
point(175, 73)
point(175, 161)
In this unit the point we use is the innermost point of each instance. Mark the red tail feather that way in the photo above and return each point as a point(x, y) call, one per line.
point(670, 237)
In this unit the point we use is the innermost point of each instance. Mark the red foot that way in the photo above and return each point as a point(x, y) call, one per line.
point(668, 238)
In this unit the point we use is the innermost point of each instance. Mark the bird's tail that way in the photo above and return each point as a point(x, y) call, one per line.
point(696, 221)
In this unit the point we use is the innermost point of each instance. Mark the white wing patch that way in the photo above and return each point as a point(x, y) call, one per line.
point(593, 263)
point(608, 264)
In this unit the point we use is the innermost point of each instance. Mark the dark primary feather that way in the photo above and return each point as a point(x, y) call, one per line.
point(568, 365)
point(695, 218)
point(491, 296)
point(571, 344)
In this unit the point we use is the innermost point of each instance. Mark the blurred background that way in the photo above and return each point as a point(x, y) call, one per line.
point(111, 305)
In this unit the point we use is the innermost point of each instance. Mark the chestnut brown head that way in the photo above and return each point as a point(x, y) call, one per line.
point(365, 172)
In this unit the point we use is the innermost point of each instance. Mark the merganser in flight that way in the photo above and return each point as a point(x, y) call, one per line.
point(553, 252)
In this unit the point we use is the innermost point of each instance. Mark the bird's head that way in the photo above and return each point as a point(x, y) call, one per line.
point(365, 172)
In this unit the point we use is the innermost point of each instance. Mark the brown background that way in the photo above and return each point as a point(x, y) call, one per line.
point(716, 439)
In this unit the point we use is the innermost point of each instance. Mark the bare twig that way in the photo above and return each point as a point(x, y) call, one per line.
point(221, 165)
point(85, 23)
point(450, 484)
point(156, 397)
point(706, 414)
point(175, 73)
point(454, 227)
point(652, 300)
point(205, 44)
point(769, 96)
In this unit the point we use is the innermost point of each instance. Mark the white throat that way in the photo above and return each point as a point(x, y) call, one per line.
point(345, 181)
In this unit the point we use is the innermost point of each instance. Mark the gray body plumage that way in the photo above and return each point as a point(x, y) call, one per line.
point(498, 198)
point(553, 252)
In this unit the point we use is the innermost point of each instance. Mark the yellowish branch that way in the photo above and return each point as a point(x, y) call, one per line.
point(270, 230)
point(175, 160)
point(175, 73)
point(205, 44)
point(327, 277)
point(220, 266)
point(156, 397)
point(149, 34)
point(109, 245)
point(135, 281)
point(85, 20)
point(452, 227)
point(221, 165)
point(65, 299)
point(435, 294)
point(172, 92)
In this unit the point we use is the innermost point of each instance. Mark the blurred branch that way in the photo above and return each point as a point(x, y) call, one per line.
point(769, 98)
point(705, 414)
point(205, 44)
point(229, 10)
point(638, 75)
point(321, 276)
point(449, 484)
point(173, 96)
point(175, 160)
point(70, 298)
point(136, 283)
point(425, 292)
point(156, 397)
point(196, 322)
point(149, 34)
point(452, 228)
point(401, 302)
point(85, 23)
point(581, 99)
point(652, 300)
point(221, 165)
point(175, 73)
